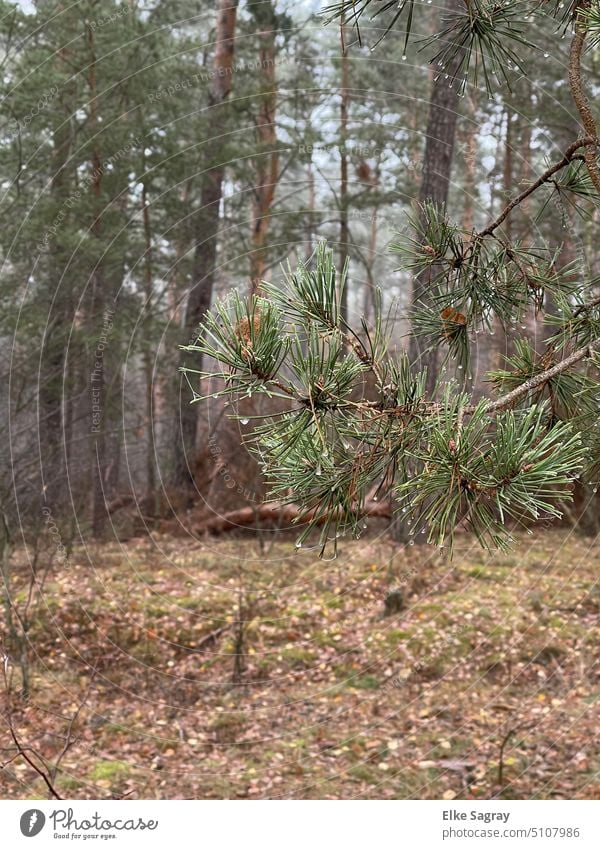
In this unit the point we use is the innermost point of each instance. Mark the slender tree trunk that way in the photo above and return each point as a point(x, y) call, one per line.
point(437, 165)
point(98, 380)
point(206, 232)
point(435, 184)
point(369, 296)
point(148, 354)
point(508, 176)
point(526, 170)
point(310, 218)
point(52, 356)
point(500, 343)
point(470, 184)
point(267, 159)
point(536, 327)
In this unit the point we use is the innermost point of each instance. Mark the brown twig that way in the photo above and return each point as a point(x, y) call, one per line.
point(578, 92)
point(503, 745)
point(587, 306)
point(22, 751)
point(212, 636)
point(540, 379)
point(53, 770)
point(588, 142)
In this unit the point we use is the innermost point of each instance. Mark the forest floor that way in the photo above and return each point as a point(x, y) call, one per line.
point(485, 684)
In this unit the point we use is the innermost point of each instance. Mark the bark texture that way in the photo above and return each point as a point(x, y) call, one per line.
point(437, 167)
point(206, 230)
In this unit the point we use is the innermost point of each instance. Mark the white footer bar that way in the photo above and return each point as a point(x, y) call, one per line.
point(302, 824)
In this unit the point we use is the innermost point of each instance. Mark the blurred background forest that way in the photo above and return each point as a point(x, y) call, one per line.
point(142, 177)
point(154, 156)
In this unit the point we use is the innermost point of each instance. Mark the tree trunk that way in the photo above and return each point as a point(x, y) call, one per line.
point(310, 217)
point(508, 172)
point(282, 516)
point(500, 344)
point(53, 353)
point(369, 294)
point(148, 354)
point(526, 169)
point(437, 165)
point(206, 230)
point(344, 107)
point(97, 317)
point(267, 158)
point(470, 184)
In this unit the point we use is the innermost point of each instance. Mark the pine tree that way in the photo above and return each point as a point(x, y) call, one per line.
point(207, 225)
point(86, 156)
point(358, 419)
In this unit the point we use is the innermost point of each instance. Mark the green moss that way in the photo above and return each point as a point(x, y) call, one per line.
point(110, 771)
point(298, 658)
point(481, 573)
point(69, 782)
point(396, 636)
point(231, 719)
point(332, 601)
point(324, 640)
point(362, 773)
point(158, 609)
point(227, 727)
point(366, 682)
point(544, 655)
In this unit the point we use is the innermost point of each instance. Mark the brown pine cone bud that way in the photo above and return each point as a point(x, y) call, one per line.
point(243, 330)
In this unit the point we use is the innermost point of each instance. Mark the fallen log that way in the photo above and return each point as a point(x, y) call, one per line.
point(283, 516)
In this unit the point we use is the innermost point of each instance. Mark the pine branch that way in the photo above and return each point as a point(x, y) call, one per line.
point(567, 158)
point(588, 305)
point(448, 460)
point(540, 379)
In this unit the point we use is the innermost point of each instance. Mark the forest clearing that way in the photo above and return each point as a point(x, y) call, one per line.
point(300, 415)
point(491, 659)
